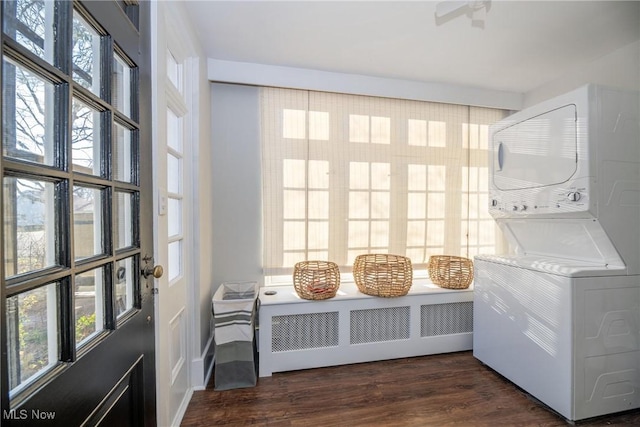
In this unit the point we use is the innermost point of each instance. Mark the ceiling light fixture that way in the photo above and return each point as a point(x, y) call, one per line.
point(476, 10)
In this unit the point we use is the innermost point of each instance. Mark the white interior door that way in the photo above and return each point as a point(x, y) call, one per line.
point(171, 231)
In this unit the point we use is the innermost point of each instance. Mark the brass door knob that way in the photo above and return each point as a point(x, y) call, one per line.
point(156, 271)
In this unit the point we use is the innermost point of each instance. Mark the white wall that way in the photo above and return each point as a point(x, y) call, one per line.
point(203, 209)
point(236, 184)
point(620, 68)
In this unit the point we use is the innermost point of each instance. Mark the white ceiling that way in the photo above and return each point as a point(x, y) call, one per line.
point(523, 44)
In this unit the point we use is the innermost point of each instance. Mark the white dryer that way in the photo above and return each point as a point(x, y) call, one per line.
point(560, 316)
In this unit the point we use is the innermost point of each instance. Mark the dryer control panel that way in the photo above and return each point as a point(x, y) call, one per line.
point(572, 200)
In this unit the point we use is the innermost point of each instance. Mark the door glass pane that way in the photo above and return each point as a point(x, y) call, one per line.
point(174, 174)
point(29, 225)
point(85, 139)
point(89, 304)
point(27, 120)
point(121, 86)
point(123, 220)
point(30, 23)
point(124, 285)
point(122, 155)
point(174, 217)
point(174, 71)
point(175, 259)
point(87, 221)
point(32, 335)
point(174, 131)
point(86, 54)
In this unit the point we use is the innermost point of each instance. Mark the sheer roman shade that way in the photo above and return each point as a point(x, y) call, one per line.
point(345, 175)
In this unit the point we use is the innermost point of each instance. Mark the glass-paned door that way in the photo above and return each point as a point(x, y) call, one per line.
point(77, 331)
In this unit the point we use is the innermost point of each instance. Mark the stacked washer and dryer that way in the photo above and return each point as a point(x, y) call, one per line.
point(560, 315)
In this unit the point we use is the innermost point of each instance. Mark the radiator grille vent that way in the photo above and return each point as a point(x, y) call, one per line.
point(301, 331)
point(379, 325)
point(445, 319)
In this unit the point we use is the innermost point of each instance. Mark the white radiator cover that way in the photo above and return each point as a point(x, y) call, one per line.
point(353, 327)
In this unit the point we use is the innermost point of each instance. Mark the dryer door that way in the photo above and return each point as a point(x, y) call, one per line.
point(536, 152)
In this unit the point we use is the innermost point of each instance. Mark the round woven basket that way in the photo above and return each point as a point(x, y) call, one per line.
point(451, 272)
point(383, 275)
point(316, 280)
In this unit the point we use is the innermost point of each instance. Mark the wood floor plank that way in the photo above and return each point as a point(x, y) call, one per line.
point(440, 390)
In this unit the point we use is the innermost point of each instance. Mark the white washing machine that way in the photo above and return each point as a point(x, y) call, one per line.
point(560, 315)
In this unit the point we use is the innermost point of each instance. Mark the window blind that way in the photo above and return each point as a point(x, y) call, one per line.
point(345, 175)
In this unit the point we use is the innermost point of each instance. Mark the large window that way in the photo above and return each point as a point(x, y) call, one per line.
point(345, 175)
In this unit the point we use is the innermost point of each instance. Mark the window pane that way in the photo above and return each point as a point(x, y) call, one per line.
point(358, 234)
point(318, 205)
point(29, 225)
point(380, 176)
point(379, 234)
point(174, 131)
point(121, 86)
point(294, 235)
point(89, 304)
point(294, 204)
point(358, 204)
point(174, 217)
point(85, 139)
point(174, 71)
point(415, 233)
point(86, 54)
point(124, 285)
point(293, 173)
point(318, 125)
point(358, 175)
point(123, 220)
point(318, 174)
point(294, 124)
point(175, 259)
point(30, 23)
point(174, 174)
point(417, 132)
point(87, 222)
point(437, 134)
point(358, 128)
point(123, 154)
point(417, 178)
point(27, 120)
point(380, 130)
point(32, 335)
point(380, 205)
point(318, 235)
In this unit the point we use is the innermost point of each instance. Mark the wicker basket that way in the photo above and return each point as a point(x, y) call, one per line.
point(316, 280)
point(451, 272)
point(383, 275)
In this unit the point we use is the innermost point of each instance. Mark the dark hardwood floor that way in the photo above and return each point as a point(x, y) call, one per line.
point(446, 389)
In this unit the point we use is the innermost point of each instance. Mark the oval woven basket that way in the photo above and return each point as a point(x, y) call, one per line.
point(383, 275)
point(451, 272)
point(316, 280)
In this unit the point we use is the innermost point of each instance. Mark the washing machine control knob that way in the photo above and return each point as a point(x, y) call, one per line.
point(523, 207)
point(574, 196)
point(515, 208)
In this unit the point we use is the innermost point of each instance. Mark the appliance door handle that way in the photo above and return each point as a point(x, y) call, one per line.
point(500, 156)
